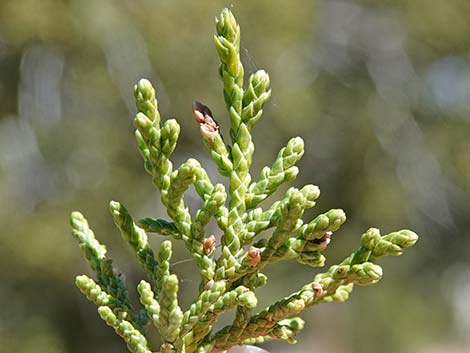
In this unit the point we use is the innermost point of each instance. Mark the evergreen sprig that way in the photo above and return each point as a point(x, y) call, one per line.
point(228, 282)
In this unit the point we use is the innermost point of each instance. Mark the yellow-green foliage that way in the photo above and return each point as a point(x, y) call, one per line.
point(229, 281)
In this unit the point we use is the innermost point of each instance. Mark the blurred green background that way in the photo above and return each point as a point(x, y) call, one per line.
point(379, 90)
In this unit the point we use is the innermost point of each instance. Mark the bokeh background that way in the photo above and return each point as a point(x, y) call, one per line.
point(379, 90)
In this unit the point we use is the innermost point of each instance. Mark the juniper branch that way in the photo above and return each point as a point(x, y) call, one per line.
point(227, 43)
point(148, 300)
point(283, 170)
point(230, 281)
point(93, 291)
point(356, 269)
point(112, 284)
point(170, 315)
point(159, 226)
point(136, 237)
point(136, 342)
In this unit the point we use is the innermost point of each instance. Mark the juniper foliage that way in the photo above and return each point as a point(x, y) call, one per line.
point(229, 281)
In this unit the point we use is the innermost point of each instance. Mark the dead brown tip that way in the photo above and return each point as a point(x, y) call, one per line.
point(197, 106)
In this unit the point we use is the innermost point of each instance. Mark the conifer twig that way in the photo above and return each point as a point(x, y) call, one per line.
point(229, 281)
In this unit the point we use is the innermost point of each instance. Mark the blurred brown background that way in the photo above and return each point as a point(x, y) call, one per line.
point(379, 90)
